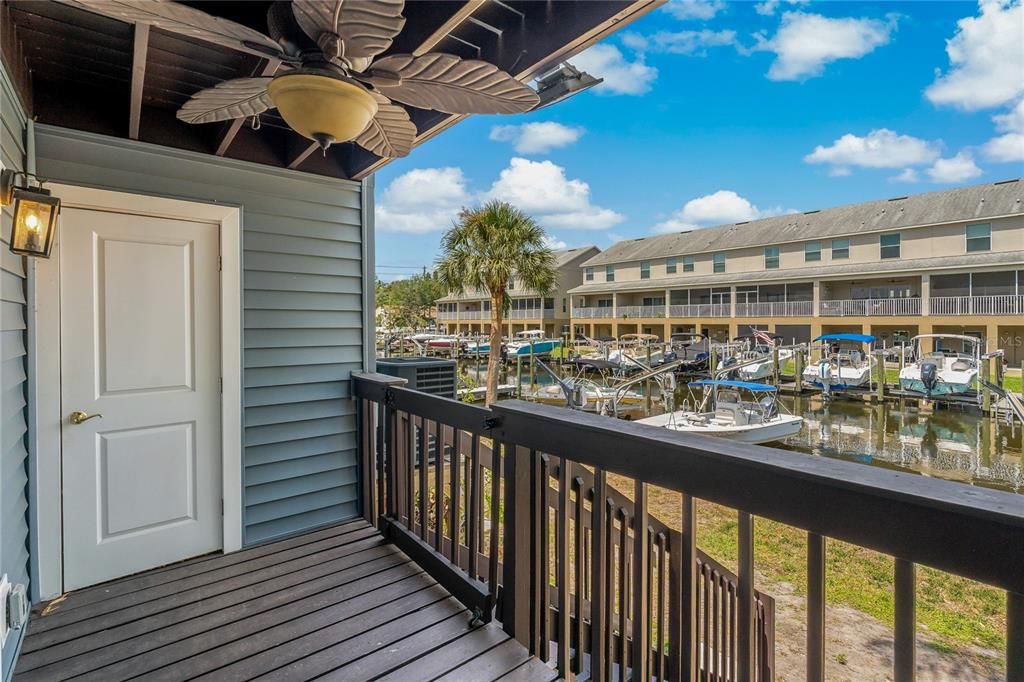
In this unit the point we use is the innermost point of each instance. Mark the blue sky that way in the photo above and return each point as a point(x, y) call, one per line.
point(716, 112)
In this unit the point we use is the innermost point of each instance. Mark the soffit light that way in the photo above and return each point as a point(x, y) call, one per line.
point(35, 214)
point(563, 82)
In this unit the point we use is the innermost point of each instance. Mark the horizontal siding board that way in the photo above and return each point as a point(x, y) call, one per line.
point(12, 316)
point(12, 287)
point(285, 452)
point(302, 393)
point(316, 481)
point(280, 471)
point(302, 317)
point(280, 414)
point(12, 373)
point(12, 345)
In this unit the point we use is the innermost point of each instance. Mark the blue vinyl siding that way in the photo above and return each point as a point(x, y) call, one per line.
point(13, 374)
point(302, 318)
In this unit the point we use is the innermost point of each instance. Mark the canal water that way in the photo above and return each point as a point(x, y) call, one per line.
point(915, 436)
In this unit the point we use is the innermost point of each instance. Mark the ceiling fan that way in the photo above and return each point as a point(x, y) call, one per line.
point(330, 87)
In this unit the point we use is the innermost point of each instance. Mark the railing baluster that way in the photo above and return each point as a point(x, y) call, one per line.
point(391, 453)
point(745, 624)
point(641, 576)
point(544, 573)
point(439, 431)
point(563, 566)
point(517, 596)
point(496, 464)
point(424, 459)
point(475, 512)
point(684, 606)
point(1014, 637)
point(815, 607)
point(609, 588)
point(658, 599)
point(904, 651)
point(379, 461)
point(410, 473)
point(580, 575)
point(455, 496)
point(705, 609)
point(367, 461)
point(623, 568)
point(715, 640)
point(598, 588)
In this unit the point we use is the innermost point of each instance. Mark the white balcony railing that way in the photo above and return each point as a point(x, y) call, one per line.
point(640, 311)
point(449, 315)
point(871, 307)
point(775, 309)
point(977, 305)
point(591, 313)
point(700, 310)
point(526, 314)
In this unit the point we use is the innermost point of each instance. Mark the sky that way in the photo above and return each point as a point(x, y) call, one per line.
point(716, 112)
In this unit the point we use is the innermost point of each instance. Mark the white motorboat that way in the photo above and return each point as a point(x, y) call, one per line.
point(842, 366)
point(943, 371)
point(724, 414)
point(587, 395)
point(756, 361)
point(639, 347)
point(532, 341)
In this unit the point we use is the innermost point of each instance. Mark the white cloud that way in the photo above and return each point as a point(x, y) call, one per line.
point(536, 138)
point(680, 42)
point(718, 208)
point(805, 43)
point(881, 148)
point(422, 200)
point(956, 169)
point(694, 9)
point(986, 58)
point(554, 243)
point(542, 189)
point(1010, 146)
point(840, 172)
point(621, 76)
point(768, 7)
point(907, 175)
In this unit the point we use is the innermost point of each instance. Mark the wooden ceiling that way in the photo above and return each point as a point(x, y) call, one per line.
point(85, 71)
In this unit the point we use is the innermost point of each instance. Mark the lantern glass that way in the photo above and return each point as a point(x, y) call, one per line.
point(35, 222)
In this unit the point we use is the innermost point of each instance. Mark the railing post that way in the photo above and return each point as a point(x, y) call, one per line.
point(904, 652)
point(745, 618)
point(1014, 637)
point(815, 607)
point(518, 546)
point(599, 569)
point(641, 576)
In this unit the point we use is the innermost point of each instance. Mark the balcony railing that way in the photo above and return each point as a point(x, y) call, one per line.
point(448, 315)
point(528, 314)
point(977, 305)
point(585, 575)
point(700, 310)
point(870, 307)
point(591, 313)
point(775, 309)
point(640, 311)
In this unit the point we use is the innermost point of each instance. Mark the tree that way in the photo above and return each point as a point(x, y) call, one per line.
point(483, 251)
point(407, 302)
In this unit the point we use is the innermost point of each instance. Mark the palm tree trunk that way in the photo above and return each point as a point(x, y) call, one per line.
point(494, 355)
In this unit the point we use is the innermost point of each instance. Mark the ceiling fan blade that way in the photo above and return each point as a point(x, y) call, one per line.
point(450, 84)
point(350, 28)
point(178, 18)
point(390, 134)
point(235, 98)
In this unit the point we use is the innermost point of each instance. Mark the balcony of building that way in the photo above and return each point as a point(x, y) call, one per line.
point(775, 300)
point(980, 293)
point(895, 297)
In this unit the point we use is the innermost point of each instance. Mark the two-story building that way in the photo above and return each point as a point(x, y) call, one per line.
point(948, 261)
point(471, 312)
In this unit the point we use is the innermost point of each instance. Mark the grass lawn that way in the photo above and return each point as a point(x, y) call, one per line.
point(957, 613)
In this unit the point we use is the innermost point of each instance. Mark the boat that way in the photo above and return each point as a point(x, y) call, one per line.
point(722, 413)
point(532, 341)
point(943, 371)
point(586, 395)
point(638, 347)
point(842, 366)
point(479, 345)
point(693, 349)
point(756, 360)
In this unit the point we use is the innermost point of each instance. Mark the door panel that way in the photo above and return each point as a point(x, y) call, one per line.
point(140, 344)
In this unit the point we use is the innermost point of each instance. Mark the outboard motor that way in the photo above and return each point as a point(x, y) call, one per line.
point(729, 362)
point(929, 376)
point(579, 397)
point(825, 375)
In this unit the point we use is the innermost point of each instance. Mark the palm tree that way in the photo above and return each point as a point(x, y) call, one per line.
point(483, 251)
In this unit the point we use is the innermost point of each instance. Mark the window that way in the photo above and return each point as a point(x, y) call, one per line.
point(645, 269)
point(563, 305)
point(590, 274)
point(719, 262)
point(653, 300)
point(670, 266)
point(889, 245)
point(840, 249)
point(604, 303)
point(812, 251)
point(609, 273)
point(687, 263)
point(979, 237)
point(771, 258)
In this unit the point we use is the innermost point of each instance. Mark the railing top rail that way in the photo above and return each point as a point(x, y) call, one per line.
point(971, 531)
point(389, 389)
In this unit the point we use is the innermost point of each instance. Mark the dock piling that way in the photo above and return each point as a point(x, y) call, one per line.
point(986, 393)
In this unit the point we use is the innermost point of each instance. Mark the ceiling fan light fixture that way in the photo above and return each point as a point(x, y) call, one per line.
point(322, 108)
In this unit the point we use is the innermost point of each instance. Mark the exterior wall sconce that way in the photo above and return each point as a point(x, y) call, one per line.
point(35, 214)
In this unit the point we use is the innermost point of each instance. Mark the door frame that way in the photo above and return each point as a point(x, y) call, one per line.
point(48, 416)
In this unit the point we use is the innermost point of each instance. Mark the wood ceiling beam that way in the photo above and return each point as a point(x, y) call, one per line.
point(447, 27)
point(140, 46)
point(269, 69)
point(303, 155)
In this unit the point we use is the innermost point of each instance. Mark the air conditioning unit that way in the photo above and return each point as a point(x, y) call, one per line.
point(428, 375)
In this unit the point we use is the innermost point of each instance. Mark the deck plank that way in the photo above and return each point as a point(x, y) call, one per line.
point(338, 603)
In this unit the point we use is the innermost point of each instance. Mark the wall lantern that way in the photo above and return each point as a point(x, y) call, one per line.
point(35, 214)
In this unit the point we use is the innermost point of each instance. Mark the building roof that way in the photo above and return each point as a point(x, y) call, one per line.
point(951, 205)
point(1012, 258)
point(563, 257)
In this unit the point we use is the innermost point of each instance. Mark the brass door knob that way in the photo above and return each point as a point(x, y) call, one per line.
point(77, 417)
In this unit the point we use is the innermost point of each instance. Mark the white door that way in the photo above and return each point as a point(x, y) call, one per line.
point(140, 345)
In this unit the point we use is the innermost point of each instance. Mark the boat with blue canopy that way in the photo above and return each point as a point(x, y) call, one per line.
point(743, 411)
point(845, 362)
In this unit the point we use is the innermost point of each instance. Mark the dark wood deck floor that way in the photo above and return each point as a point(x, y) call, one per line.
point(337, 604)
